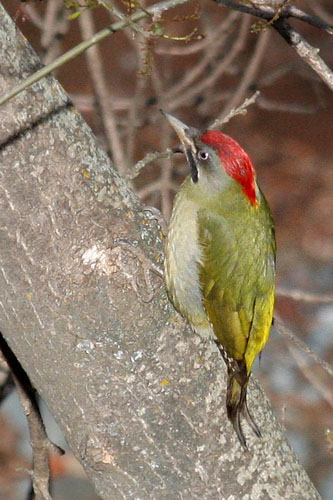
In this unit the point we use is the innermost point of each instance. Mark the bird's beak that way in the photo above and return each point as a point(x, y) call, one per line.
point(186, 134)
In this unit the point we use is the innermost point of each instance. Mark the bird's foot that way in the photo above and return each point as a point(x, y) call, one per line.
point(157, 215)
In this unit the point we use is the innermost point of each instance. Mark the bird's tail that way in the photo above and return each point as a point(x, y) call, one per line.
point(236, 400)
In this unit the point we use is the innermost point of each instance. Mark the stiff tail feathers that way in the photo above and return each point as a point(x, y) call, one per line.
point(238, 378)
point(237, 403)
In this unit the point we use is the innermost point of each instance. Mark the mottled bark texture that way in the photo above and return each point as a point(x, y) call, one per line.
point(139, 398)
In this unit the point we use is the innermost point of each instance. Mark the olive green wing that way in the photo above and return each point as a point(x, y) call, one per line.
point(237, 279)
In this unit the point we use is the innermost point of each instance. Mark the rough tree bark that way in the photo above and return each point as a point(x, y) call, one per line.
point(139, 398)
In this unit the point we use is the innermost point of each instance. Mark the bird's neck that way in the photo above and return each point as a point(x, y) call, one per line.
point(229, 200)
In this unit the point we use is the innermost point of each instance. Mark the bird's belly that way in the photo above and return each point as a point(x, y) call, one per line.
point(183, 255)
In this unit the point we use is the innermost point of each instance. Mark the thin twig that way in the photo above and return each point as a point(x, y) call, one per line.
point(55, 23)
point(213, 36)
point(310, 375)
point(320, 11)
point(119, 15)
point(241, 110)
point(264, 11)
point(305, 51)
point(142, 46)
point(38, 439)
point(141, 42)
point(304, 296)
point(210, 80)
point(277, 16)
point(166, 164)
point(34, 16)
point(149, 158)
point(286, 332)
point(156, 186)
point(6, 380)
point(216, 41)
point(166, 174)
point(287, 107)
point(102, 93)
point(249, 74)
point(271, 77)
point(81, 47)
point(86, 102)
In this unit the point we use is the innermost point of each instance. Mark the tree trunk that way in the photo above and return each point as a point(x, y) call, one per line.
point(140, 399)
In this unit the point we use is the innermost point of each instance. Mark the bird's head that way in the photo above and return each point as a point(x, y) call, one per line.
point(215, 159)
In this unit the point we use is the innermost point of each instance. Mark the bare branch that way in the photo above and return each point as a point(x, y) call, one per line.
point(54, 25)
point(102, 93)
point(277, 17)
point(34, 16)
point(215, 41)
point(287, 333)
point(304, 296)
point(320, 11)
point(267, 12)
point(81, 47)
point(241, 110)
point(38, 439)
point(138, 98)
point(166, 178)
point(311, 376)
point(39, 444)
point(149, 158)
point(287, 107)
point(155, 186)
point(209, 42)
point(305, 51)
point(6, 380)
point(210, 80)
point(292, 11)
point(249, 74)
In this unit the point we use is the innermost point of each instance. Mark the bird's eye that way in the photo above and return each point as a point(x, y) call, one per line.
point(203, 155)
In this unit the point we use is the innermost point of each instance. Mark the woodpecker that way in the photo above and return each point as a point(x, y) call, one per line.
point(220, 257)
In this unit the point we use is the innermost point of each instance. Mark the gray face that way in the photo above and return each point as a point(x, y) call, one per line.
point(207, 174)
point(206, 169)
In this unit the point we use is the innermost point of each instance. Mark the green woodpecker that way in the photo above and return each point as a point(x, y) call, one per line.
point(220, 257)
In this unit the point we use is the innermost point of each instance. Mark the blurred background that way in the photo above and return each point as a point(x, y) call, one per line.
point(198, 62)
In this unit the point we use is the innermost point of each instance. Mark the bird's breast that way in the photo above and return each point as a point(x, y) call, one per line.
point(182, 257)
